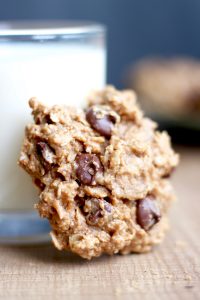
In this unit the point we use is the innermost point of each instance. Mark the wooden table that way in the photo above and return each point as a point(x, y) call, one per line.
point(171, 271)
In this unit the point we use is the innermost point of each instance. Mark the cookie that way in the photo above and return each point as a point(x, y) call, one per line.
point(168, 87)
point(102, 174)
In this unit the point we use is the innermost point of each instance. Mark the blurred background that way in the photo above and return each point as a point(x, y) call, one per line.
point(136, 29)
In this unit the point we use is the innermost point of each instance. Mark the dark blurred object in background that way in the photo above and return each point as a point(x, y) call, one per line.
point(182, 136)
point(136, 28)
point(168, 90)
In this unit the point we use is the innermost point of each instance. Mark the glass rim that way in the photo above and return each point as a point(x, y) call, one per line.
point(48, 30)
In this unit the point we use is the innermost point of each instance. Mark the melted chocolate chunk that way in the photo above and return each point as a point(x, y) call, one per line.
point(39, 184)
point(87, 167)
point(92, 218)
point(102, 124)
point(46, 154)
point(148, 213)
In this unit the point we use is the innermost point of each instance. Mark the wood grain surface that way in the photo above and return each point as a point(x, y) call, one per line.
point(171, 271)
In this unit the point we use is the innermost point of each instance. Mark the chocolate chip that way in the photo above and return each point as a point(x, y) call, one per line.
point(45, 153)
point(148, 213)
point(87, 167)
point(39, 184)
point(102, 123)
point(92, 218)
point(93, 210)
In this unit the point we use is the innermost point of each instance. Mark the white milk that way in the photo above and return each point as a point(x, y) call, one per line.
point(56, 73)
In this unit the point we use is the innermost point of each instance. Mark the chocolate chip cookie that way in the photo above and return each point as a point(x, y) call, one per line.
point(102, 174)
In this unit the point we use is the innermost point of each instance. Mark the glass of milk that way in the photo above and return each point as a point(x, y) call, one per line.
point(59, 63)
